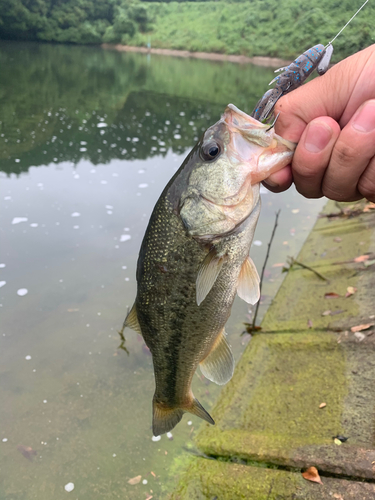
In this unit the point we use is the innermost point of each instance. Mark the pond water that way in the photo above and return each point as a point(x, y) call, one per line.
point(88, 140)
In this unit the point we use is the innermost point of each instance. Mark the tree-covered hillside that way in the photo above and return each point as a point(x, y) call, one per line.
point(281, 28)
point(72, 21)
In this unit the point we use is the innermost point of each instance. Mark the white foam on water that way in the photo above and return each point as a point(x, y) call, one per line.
point(22, 291)
point(2, 283)
point(18, 220)
point(125, 237)
point(257, 243)
point(75, 214)
point(69, 487)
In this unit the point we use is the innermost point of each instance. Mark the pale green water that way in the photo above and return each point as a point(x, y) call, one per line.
point(72, 193)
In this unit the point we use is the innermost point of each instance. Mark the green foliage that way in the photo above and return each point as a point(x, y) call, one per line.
point(276, 28)
point(72, 21)
point(282, 28)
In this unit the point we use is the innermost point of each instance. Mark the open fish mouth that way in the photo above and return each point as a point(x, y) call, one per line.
point(251, 129)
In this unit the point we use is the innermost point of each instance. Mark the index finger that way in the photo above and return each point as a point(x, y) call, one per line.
point(337, 94)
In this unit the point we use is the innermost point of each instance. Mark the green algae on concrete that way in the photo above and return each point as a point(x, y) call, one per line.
point(330, 249)
point(211, 479)
point(270, 411)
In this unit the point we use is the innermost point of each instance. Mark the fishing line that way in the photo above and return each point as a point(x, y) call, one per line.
point(350, 20)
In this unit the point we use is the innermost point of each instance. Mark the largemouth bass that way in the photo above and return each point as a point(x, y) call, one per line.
point(194, 258)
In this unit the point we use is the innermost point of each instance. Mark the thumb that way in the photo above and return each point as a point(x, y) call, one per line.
point(336, 94)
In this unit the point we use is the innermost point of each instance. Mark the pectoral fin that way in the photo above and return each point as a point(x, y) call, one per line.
point(248, 282)
point(131, 320)
point(218, 366)
point(207, 274)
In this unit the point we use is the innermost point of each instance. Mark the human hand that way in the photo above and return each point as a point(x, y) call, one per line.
point(333, 120)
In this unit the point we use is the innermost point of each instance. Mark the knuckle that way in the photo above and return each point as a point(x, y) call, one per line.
point(345, 154)
point(366, 186)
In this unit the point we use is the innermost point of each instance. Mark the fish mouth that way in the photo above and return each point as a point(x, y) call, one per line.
point(246, 125)
point(239, 119)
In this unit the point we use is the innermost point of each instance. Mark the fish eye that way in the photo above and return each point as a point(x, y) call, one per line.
point(210, 151)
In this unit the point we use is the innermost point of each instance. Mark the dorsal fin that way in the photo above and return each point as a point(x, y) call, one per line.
point(131, 320)
point(218, 366)
point(207, 274)
point(248, 282)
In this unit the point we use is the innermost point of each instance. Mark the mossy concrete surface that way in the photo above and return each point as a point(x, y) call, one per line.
point(304, 380)
point(330, 249)
point(211, 479)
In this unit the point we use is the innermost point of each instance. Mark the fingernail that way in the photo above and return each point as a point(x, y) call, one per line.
point(317, 137)
point(364, 120)
point(270, 183)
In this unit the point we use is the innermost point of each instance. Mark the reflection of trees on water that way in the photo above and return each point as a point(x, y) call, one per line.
point(67, 103)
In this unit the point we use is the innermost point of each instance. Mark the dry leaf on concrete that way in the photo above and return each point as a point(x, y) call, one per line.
point(135, 480)
point(350, 291)
point(361, 258)
point(312, 474)
point(359, 328)
point(331, 295)
point(369, 206)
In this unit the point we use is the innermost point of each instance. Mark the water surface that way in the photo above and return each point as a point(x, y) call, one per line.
point(88, 140)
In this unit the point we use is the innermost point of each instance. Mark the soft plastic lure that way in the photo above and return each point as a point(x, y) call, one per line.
point(294, 75)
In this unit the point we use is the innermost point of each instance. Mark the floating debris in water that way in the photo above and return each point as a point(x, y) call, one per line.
point(2, 265)
point(34, 224)
point(22, 291)
point(134, 480)
point(142, 186)
point(2, 283)
point(75, 214)
point(257, 243)
point(69, 487)
point(27, 451)
point(28, 357)
point(125, 237)
point(18, 220)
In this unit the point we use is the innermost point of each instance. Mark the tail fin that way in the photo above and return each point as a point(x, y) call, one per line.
point(165, 419)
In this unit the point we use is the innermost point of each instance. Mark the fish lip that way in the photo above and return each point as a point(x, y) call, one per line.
point(229, 117)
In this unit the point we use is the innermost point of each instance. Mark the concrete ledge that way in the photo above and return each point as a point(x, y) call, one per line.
point(209, 480)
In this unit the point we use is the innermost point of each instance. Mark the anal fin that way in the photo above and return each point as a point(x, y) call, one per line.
point(218, 366)
point(248, 282)
point(208, 272)
point(131, 320)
